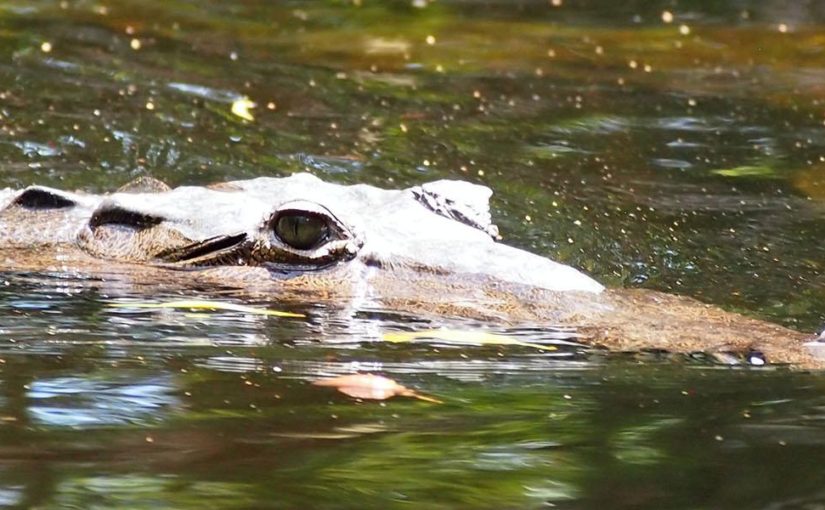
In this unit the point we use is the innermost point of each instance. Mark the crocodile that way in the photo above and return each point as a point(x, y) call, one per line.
point(427, 249)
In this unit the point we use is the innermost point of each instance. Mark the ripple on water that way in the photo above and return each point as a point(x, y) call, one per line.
point(593, 125)
point(692, 124)
point(330, 165)
point(80, 402)
point(204, 92)
point(672, 164)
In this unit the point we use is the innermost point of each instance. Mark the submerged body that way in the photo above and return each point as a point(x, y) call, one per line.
point(426, 249)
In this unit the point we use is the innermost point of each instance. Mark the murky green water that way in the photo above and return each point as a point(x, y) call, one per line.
point(670, 145)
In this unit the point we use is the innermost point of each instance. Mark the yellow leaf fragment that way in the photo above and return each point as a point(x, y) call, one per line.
point(460, 337)
point(746, 171)
point(198, 304)
point(241, 106)
point(371, 387)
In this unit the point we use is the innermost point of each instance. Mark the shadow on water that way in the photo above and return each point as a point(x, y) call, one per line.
point(674, 146)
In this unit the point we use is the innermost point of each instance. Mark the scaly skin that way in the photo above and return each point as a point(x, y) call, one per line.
point(393, 253)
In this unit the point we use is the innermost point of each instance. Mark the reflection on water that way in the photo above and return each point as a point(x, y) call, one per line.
point(86, 402)
point(132, 407)
point(677, 146)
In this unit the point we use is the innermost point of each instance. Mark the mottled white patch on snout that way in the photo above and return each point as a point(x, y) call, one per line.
point(5, 197)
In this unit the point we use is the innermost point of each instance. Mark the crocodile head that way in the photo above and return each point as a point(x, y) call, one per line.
point(288, 227)
point(429, 249)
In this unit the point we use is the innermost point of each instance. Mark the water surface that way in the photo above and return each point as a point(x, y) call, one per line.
point(673, 146)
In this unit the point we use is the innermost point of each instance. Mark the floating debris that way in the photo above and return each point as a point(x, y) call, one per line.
point(371, 387)
point(197, 304)
point(241, 106)
point(460, 337)
point(746, 171)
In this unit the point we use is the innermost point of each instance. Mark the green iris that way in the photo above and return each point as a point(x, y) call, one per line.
point(301, 231)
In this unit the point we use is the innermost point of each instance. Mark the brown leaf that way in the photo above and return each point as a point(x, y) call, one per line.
point(371, 387)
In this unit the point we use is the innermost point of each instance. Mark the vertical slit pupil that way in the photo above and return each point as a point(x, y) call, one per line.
point(301, 231)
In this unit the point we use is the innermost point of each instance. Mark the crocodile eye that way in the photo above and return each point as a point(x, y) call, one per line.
point(301, 231)
point(303, 236)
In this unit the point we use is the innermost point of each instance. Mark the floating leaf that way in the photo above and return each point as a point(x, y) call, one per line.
point(461, 337)
point(372, 387)
point(746, 171)
point(198, 304)
point(241, 106)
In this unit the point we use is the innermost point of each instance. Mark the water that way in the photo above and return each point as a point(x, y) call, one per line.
point(673, 146)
